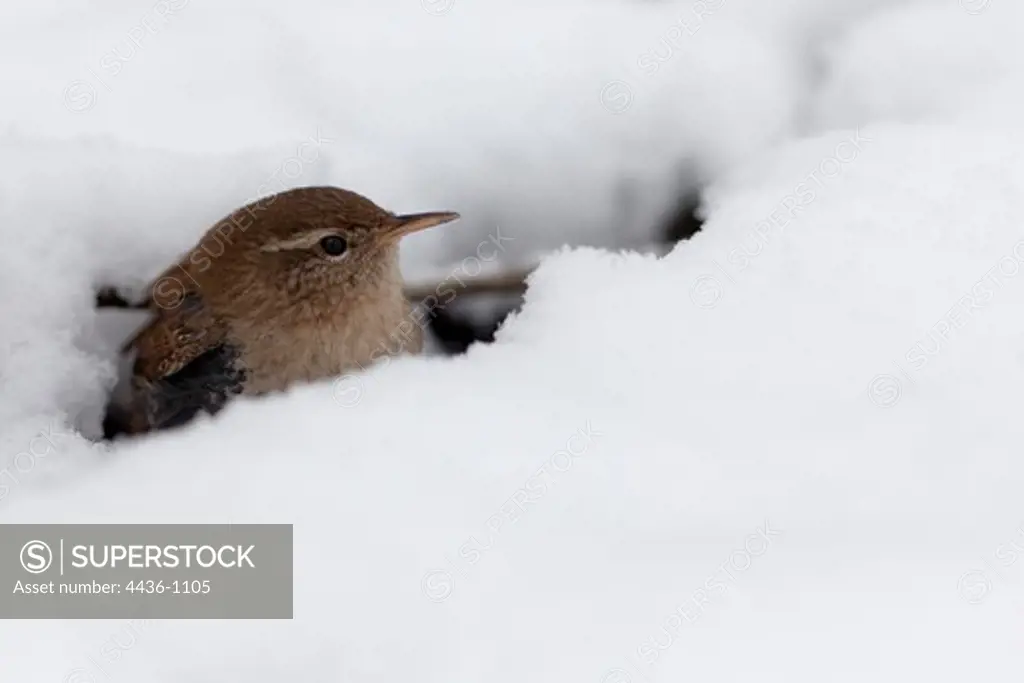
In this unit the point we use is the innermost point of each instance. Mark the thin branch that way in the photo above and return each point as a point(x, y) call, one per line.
point(509, 282)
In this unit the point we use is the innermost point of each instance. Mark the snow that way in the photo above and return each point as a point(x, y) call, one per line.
point(787, 451)
point(964, 68)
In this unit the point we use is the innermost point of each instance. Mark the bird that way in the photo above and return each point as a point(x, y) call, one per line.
point(294, 287)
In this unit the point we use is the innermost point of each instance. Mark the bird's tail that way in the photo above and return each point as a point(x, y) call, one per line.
point(121, 420)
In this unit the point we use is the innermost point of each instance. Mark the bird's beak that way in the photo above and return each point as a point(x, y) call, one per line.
point(414, 222)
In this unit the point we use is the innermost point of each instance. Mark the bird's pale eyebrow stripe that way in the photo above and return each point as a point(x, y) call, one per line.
point(302, 242)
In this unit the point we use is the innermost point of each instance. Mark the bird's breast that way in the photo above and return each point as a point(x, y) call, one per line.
point(309, 350)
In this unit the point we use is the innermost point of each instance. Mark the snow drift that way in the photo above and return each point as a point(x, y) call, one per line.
point(785, 451)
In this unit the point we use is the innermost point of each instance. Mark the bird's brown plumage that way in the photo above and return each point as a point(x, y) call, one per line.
point(263, 301)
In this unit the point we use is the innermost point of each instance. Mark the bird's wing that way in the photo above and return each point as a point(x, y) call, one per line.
point(184, 364)
point(173, 338)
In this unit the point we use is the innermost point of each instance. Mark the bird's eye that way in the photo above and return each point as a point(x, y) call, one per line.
point(333, 245)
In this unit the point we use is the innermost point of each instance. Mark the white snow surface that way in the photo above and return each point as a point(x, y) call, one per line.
point(797, 434)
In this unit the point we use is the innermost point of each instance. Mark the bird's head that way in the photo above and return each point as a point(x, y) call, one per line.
point(312, 242)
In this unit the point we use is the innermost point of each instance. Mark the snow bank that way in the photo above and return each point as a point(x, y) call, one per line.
point(701, 424)
point(786, 451)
